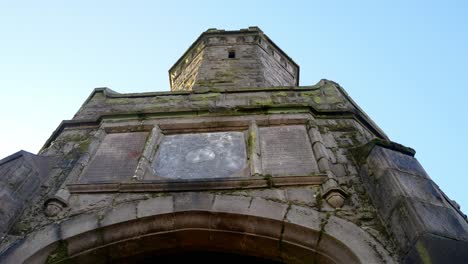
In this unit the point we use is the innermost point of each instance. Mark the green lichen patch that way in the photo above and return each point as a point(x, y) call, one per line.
point(281, 94)
point(168, 99)
point(262, 101)
point(313, 93)
point(83, 146)
point(21, 227)
point(269, 180)
point(423, 253)
point(59, 254)
point(205, 96)
point(329, 89)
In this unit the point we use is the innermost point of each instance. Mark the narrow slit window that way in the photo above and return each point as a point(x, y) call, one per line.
point(231, 54)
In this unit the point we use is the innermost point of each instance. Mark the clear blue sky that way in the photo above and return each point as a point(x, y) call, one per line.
point(404, 62)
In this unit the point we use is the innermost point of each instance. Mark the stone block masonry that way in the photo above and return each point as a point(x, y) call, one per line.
point(238, 159)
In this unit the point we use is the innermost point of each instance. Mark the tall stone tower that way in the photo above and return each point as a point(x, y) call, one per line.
point(237, 163)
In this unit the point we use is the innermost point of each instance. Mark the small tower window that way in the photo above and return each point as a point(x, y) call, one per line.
point(231, 54)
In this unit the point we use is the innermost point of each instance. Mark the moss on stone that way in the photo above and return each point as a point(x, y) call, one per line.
point(286, 110)
point(21, 227)
point(329, 89)
point(280, 94)
point(319, 200)
point(72, 137)
point(59, 254)
point(310, 93)
point(204, 83)
point(83, 146)
point(252, 141)
point(423, 253)
point(122, 100)
point(205, 96)
point(269, 180)
point(262, 101)
point(169, 99)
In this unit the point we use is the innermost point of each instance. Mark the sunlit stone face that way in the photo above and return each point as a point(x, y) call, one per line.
point(202, 155)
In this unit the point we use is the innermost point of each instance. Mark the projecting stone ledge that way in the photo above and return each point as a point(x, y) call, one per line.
point(425, 223)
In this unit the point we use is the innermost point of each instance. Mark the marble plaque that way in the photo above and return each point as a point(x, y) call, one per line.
point(286, 150)
point(201, 155)
point(116, 158)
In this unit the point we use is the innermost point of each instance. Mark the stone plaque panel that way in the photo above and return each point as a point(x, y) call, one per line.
point(202, 155)
point(286, 150)
point(116, 158)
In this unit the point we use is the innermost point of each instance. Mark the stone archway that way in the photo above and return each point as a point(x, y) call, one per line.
point(262, 230)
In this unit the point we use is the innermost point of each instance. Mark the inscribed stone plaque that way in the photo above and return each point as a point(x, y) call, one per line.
point(286, 150)
point(202, 155)
point(116, 158)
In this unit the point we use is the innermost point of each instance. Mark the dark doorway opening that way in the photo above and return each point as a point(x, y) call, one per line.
point(205, 257)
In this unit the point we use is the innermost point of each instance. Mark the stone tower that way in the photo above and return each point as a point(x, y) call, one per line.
point(224, 59)
point(236, 163)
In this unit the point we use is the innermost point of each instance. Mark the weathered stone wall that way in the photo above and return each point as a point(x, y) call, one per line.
point(22, 175)
point(256, 62)
point(237, 159)
point(77, 147)
point(185, 78)
point(276, 70)
point(285, 147)
point(217, 70)
point(426, 224)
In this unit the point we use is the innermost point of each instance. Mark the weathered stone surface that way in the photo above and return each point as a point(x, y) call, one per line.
point(269, 209)
point(86, 202)
point(338, 169)
point(409, 201)
point(116, 159)
point(436, 249)
point(286, 150)
point(21, 175)
point(274, 138)
point(79, 224)
point(301, 195)
point(232, 204)
point(272, 194)
point(193, 201)
point(413, 218)
point(386, 158)
point(155, 206)
point(241, 59)
point(302, 216)
point(204, 155)
point(106, 102)
point(120, 213)
point(396, 185)
point(32, 244)
point(353, 237)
